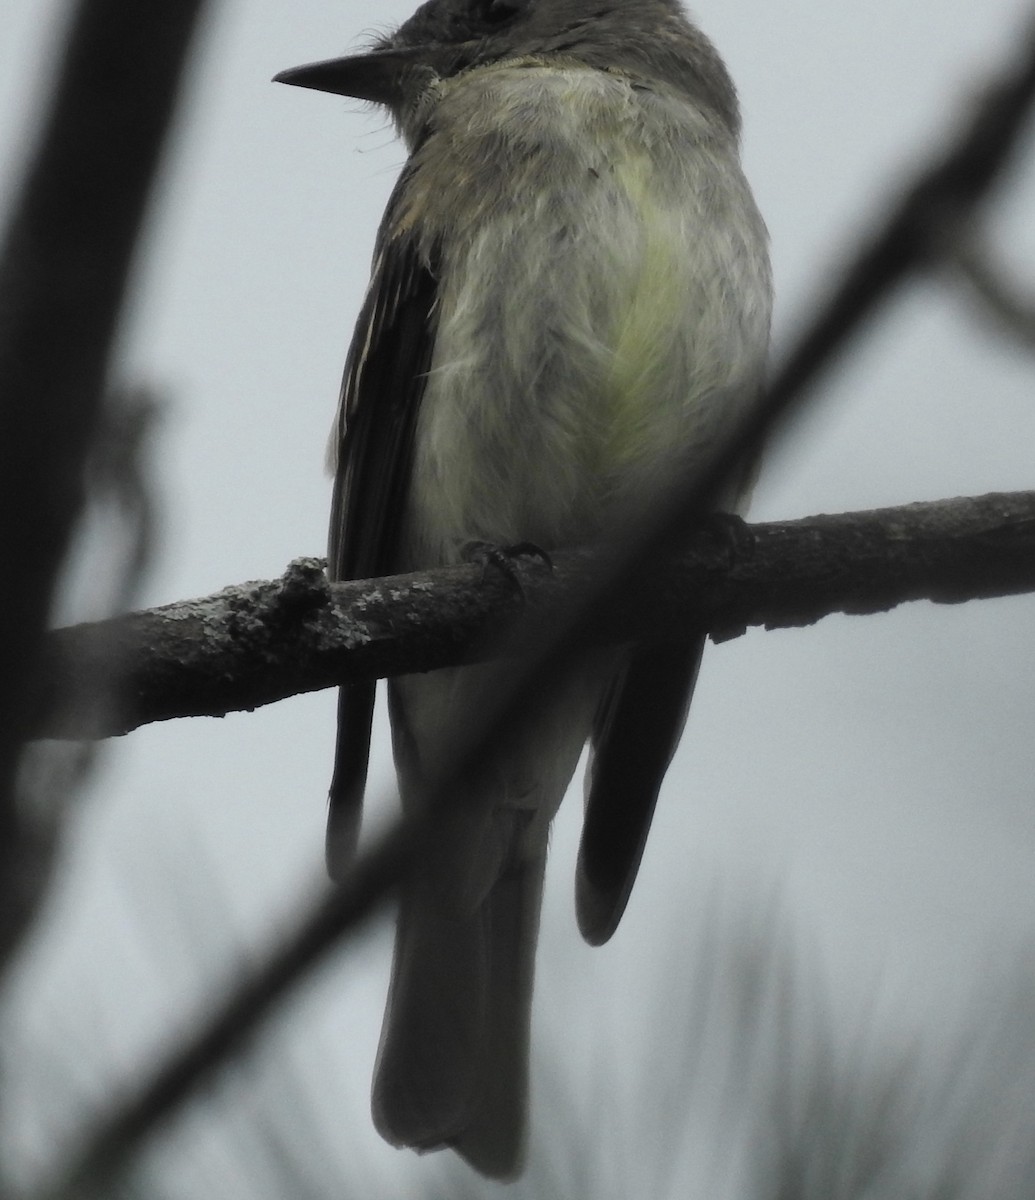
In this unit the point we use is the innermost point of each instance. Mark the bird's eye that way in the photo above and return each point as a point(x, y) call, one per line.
point(497, 12)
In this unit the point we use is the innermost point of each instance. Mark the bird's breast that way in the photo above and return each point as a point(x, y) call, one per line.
point(603, 305)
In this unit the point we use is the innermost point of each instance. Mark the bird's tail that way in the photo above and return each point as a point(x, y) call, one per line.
point(452, 1067)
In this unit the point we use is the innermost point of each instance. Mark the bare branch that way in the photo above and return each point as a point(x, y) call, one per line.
point(259, 642)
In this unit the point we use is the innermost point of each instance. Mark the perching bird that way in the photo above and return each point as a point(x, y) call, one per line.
point(569, 310)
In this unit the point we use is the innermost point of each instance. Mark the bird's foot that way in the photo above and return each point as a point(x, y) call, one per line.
point(504, 559)
point(731, 534)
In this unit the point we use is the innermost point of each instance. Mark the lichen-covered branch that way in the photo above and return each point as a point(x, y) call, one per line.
point(255, 643)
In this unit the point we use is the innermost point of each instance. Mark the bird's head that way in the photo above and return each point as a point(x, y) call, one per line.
point(651, 39)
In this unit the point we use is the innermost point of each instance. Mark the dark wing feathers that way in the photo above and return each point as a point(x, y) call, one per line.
point(641, 717)
point(635, 734)
point(381, 393)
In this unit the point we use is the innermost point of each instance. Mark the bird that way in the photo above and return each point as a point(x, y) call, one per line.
point(568, 312)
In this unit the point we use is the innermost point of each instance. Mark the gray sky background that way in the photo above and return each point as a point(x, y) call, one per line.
point(870, 779)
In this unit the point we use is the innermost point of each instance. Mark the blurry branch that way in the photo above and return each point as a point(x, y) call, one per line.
point(64, 261)
point(260, 642)
point(952, 187)
point(234, 1019)
point(1000, 297)
point(740, 1067)
point(115, 541)
point(119, 474)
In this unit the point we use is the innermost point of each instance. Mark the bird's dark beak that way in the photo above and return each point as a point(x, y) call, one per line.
point(376, 77)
